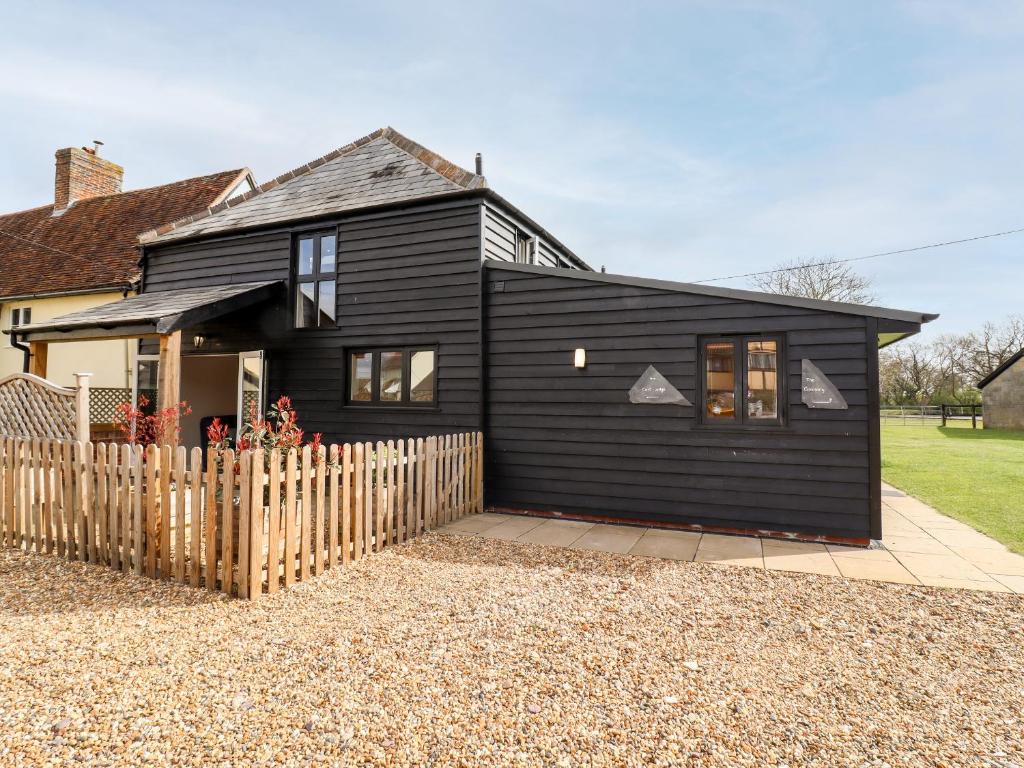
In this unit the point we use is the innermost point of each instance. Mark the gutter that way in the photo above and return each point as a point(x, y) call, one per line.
point(123, 287)
point(27, 365)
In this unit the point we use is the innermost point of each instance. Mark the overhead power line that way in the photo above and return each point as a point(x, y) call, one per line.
point(863, 258)
point(828, 262)
point(37, 244)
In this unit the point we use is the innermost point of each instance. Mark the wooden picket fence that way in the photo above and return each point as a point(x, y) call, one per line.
point(244, 523)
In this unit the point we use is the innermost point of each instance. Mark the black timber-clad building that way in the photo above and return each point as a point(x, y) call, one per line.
point(392, 294)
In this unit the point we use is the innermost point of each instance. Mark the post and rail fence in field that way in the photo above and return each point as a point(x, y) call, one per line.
point(939, 415)
point(242, 523)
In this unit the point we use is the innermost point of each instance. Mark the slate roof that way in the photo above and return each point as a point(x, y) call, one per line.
point(1003, 367)
point(160, 312)
point(382, 168)
point(93, 245)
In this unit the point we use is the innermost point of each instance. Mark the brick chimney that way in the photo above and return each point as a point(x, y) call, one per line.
point(82, 173)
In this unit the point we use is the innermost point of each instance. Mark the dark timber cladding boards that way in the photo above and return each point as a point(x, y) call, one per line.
point(500, 239)
point(407, 276)
point(568, 440)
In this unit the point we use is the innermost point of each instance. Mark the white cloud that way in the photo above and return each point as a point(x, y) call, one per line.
point(127, 93)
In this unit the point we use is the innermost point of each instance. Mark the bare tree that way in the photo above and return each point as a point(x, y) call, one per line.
point(817, 280)
point(949, 368)
point(991, 346)
point(908, 374)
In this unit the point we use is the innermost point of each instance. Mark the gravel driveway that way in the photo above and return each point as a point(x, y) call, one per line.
point(457, 651)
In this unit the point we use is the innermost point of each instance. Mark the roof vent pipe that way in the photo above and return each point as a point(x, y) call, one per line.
point(479, 164)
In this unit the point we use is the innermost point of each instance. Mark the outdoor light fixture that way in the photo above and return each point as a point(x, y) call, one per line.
point(580, 358)
point(198, 340)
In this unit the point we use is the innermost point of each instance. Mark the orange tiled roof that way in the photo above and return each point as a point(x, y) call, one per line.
point(93, 244)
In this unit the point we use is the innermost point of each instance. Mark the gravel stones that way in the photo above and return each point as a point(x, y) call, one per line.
point(469, 652)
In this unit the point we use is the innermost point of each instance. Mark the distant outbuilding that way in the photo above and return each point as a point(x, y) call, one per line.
point(1002, 394)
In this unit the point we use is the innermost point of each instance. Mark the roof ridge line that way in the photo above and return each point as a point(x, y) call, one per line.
point(266, 186)
point(439, 164)
point(236, 171)
point(435, 162)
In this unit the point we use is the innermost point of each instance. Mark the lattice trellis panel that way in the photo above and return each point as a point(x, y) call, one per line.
point(103, 402)
point(249, 400)
point(33, 407)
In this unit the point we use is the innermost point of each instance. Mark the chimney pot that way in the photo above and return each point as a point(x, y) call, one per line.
point(81, 174)
point(479, 164)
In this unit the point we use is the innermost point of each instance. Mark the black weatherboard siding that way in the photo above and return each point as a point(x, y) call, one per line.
point(427, 259)
point(567, 440)
point(407, 276)
point(502, 228)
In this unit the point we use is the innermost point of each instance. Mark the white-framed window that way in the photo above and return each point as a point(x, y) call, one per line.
point(20, 316)
point(526, 248)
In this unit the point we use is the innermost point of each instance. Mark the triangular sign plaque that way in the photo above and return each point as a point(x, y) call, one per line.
point(654, 388)
point(817, 391)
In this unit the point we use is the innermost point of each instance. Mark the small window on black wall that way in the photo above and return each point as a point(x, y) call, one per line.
point(741, 378)
point(402, 377)
point(316, 266)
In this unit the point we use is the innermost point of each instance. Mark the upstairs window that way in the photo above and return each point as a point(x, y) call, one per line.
point(316, 276)
point(526, 248)
point(20, 316)
point(741, 377)
point(392, 377)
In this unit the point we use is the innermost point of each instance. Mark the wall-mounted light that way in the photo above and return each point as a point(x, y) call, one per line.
point(580, 358)
point(198, 340)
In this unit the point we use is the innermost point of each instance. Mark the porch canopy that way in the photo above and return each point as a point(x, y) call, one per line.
point(162, 315)
point(148, 314)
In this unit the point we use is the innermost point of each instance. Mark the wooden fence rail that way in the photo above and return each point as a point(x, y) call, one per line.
point(243, 523)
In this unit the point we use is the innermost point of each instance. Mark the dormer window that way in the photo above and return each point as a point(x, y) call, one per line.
point(316, 275)
point(526, 248)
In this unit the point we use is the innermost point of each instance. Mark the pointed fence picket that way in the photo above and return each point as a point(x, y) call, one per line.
point(244, 523)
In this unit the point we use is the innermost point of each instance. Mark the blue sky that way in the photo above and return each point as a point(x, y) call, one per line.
point(675, 140)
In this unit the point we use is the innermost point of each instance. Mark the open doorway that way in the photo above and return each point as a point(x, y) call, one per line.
point(209, 386)
point(214, 386)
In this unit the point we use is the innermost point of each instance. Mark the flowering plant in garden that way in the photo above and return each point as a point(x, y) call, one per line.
point(279, 430)
point(143, 426)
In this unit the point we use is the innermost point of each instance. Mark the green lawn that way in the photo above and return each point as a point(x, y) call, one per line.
point(974, 475)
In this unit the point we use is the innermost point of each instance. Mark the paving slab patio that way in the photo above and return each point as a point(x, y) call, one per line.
point(919, 546)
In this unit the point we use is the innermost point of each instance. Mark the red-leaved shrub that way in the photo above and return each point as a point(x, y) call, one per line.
point(140, 426)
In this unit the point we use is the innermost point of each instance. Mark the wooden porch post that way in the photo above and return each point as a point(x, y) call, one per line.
point(82, 407)
point(168, 393)
point(37, 352)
